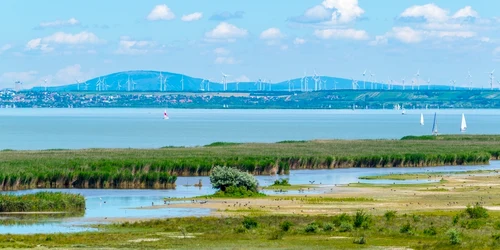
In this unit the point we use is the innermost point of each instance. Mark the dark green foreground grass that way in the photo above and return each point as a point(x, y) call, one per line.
point(392, 230)
point(157, 168)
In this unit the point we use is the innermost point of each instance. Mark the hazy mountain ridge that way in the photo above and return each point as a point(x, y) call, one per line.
point(149, 80)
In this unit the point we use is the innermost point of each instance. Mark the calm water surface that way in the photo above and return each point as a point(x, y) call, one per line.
point(105, 204)
point(145, 128)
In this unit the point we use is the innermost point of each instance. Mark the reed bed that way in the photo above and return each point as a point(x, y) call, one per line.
point(42, 202)
point(158, 168)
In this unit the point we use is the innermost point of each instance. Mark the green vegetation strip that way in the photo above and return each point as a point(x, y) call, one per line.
point(157, 168)
point(471, 228)
point(42, 202)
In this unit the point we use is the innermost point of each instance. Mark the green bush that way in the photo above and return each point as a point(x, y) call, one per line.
point(361, 219)
point(328, 227)
point(338, 219)
point(389, 215)
point(476, 212)
point(431, 231)
point(249, 223)
point(286, 225)
point(224, 177)
point(406, 228)
point(237, 192)
point(454, 237)
point(345, 227)
point(281, 182)
point(360, 241)
point(311, 228)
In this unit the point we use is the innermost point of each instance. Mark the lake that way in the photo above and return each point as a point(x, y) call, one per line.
point(107, 204)
point(145, 128)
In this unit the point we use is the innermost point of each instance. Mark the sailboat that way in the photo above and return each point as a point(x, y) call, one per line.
point(422, 119)
point(435, 125)
point(463, 125)
point(165, 115)
point(403, 112)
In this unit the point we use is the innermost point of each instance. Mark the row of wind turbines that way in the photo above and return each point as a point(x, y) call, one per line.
point(263, 84)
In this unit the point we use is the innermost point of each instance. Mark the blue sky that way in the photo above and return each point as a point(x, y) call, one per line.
point(64, 41)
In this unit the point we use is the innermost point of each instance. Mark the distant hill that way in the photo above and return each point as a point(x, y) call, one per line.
point(150, 81)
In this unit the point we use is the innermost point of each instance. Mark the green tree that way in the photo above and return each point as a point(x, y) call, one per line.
point(224, 177)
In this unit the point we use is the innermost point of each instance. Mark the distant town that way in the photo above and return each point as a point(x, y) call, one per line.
point(327, 99)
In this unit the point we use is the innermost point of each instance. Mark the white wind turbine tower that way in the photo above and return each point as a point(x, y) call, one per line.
point(17, 85)
point(45, 85)
point(129, 84)
point(202, 85)
point(98, 84)
point(371, 79)
point(77, 85)
point(302, 84)
point(237, 86)
point(335, 84)
point(306, 82)
point(428, 84)
point(160, 77)
point(418, 78)
point(469, 76)
point(182, 83)
point(355, 84)
point(364, 79)
point(492, 77)
point(316, 81)
point(165, 82)
point(86, 84)
point(403, 81)
point(224, 81)
point(289, 86)
point(119, 85)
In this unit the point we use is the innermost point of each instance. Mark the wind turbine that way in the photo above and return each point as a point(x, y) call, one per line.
point(17, 85)
point(182, 83)
point(371, 80)
point(289, 86)
point(418, 78)
point(316, 81)
point(224, 81)
point(77, 85)
point(160, 77)
point(119, 85)
point(86, 84)
point(306, 83)
point(202, 85)
point(492, 77)
point(302, 84)
point(237, 86)
point(364, 79)
point(428, 84)
point(335, 84)
point(469, 76)
point(403, 80)
point(129, 84)
point(98, 84)
point(355, 84)
point(45, 84)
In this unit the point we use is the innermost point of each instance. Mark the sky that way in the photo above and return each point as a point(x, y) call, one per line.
point(64, 41)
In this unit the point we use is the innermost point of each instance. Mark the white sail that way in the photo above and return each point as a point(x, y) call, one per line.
point(435, 125)
point(422, 119)
point(463, 125)
point(165, 115)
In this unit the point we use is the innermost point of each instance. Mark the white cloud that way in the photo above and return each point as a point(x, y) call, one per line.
point(299, 41)
point(161, 12)
point(467, 11)
point(271, 34)
point(496, 51)
point(226, 31)
point(192, 17)
point(242, 78)
point(26, 77)
point(284, 47)
point(317, 13)
point(379, 40)
point(341, 33)
point(221, 51)
point(59, 23)
point(44, 44)
point(4, 48)
point(430, 12)
point(407, 34)
point(69, 75)
point(128, 46)
point(225, 60)
point(344, 11)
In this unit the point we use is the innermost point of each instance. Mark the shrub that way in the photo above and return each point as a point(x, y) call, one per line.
point(276, 235)
point(431, 231)
point(416, 218)
point(454, 237)
point(389, 215)
point(361, 219)
point(237, 192)
point(286, 225)
point(249, 223)
point(240, 229)
point(311, 228)
point(345, 227)
point(337, 220)
point(456, 218)
point(224, 177)
point(328, 227)
point(281, 182)
point(476, 212)
point(406, 229)
point(360, 241)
